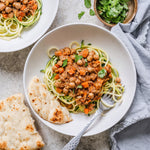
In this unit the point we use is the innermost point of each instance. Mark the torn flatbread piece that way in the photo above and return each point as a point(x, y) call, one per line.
point(17, 130)
point(45, 104)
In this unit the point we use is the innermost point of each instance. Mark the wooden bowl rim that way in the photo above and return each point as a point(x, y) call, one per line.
point(111, 25)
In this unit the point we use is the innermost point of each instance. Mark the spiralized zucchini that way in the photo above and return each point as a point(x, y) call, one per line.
point(11, 28)
point(109, 88)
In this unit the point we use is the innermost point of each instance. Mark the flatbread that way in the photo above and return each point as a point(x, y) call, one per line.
point(17, 130)
point(45, 104)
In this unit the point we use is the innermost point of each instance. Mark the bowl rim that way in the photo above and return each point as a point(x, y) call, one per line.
point(111, 25)
point(50, 32)
point(36, 39)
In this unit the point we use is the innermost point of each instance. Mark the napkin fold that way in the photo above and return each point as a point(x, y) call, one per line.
point(133, 132)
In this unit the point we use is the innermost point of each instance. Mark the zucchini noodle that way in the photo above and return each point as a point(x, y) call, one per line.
point(110, 87)
point(11, 28)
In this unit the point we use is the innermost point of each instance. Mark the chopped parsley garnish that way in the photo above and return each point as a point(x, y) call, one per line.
point(79, 87)
point(81, 14)
point(102, 73)
point(113, 11)
point(65, 63)
point(86, 63)
point(87, 3)
point(78, 57)
point(92, 13)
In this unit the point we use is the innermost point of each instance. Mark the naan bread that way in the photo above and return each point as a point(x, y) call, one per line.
point(17, 130)
point(45, 104)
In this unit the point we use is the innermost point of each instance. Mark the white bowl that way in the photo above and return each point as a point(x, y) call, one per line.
point(99, 37)
point(33, 33)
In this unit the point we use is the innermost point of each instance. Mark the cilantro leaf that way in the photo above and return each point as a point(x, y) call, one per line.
point(86, 63)
point(65, 63)
point(87, 3)
point(79, 87)
point(81, 14)
point(113, 11)
point(89, 44)
point(78, 57)
point(102, 73)
point(92, 13)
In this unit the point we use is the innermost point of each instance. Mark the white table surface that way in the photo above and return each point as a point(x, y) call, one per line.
point(11, 70)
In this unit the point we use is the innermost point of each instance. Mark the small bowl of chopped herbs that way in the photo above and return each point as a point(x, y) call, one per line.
point(111, 12)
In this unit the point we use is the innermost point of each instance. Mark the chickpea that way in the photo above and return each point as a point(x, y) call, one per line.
point(91, 95)
point(89, 58)
point(73, 51)
point(60, 63)
point(67, 51)
point(57, 84)
point(72, 85)
point(96, 57)
point(54, 68)
point(72, 57)
point(2, 6)
point(90, 69)
point(25, 1)
point(10, 15)
point(91, 53)
point(17, 5)
point(77, 81)
point(10, 1)
point(79, 62)
point(8, 9)
point(72, 79)
point(65, 91)
point(64, 75)
point(93, 76)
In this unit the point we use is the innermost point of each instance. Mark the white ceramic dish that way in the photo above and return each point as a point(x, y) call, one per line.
point(99, 37)
point(33, 33)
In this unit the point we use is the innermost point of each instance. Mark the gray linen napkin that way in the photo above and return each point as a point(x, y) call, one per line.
point(133, 132)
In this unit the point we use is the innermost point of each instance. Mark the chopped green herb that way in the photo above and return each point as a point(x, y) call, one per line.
point(81, 14)
point(53, 76)
point(86, 63)
point(113, 11)
point(89, 44)
point(92, 13)
point(73, 91)
point(65, 63)
point(79, 87)
point(78, 57)
point(82, 43)
point(42, 70)
point(87, 3)
point(102, 73)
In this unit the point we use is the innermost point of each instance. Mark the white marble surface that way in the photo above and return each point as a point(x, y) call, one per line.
point(11, 70)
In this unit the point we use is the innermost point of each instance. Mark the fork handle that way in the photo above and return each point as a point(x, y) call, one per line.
point(73, 143)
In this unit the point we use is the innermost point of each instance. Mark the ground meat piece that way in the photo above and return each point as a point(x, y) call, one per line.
point(77, 81)
point(93, 76)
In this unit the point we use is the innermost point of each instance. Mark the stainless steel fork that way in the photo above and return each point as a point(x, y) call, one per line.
point(73, 143)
